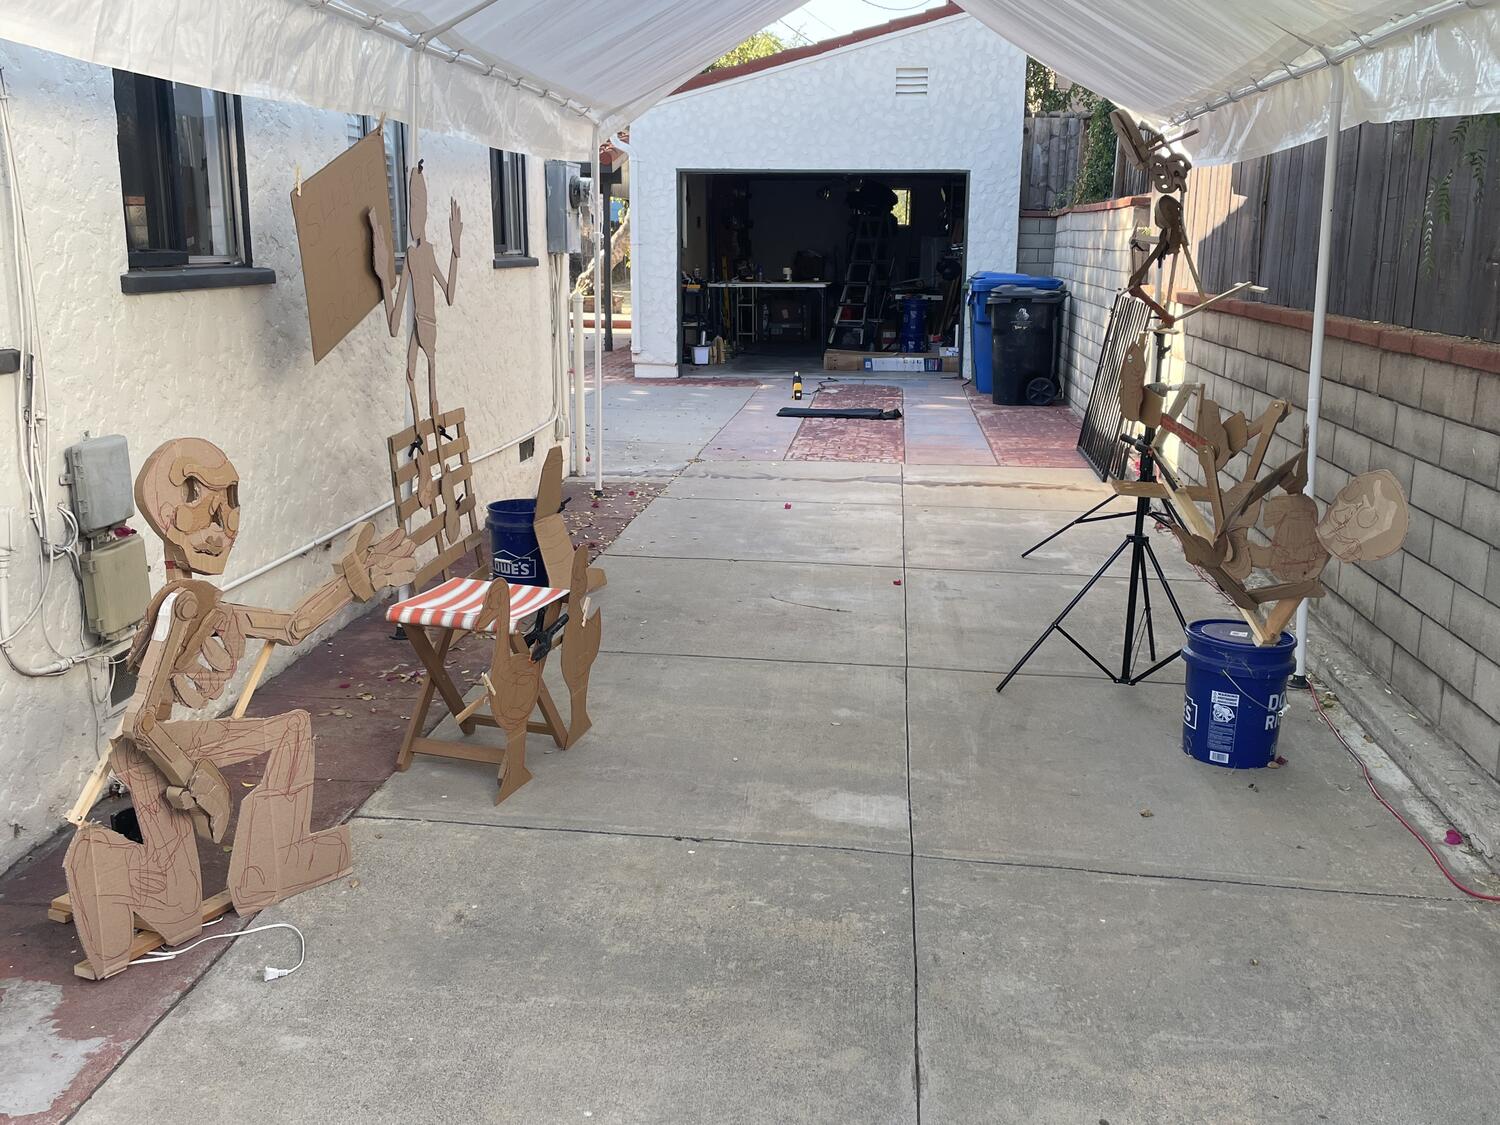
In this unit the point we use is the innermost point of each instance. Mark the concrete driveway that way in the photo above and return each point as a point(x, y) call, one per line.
point(809, 867)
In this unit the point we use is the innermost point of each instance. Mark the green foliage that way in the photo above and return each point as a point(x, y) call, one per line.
point(1042, 94)
point(1465, 148)
point(758, 46)
point(1096, 172)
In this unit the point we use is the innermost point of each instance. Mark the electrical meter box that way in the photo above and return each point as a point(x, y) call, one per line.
point(563, 207)
point(99, 476)
point(116, 590)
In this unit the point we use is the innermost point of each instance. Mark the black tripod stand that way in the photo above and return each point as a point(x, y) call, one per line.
point(1141, 553)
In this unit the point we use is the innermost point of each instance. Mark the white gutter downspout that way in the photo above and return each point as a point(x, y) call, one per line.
point(601, 216)
point(1320, 315)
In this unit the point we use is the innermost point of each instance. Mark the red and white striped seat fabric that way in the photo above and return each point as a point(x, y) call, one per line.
point(456, 604)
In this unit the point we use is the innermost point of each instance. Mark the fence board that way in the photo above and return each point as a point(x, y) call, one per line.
point(1050, 157)
point(1258, 221)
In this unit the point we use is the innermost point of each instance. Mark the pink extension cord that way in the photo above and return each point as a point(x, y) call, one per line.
point(1370, 781)
point(1365, 770)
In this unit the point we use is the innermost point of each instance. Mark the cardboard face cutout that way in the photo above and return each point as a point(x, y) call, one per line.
point(1367, 519)
point(188, 492)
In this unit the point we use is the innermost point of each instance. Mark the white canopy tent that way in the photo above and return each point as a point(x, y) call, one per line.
point(552, 77)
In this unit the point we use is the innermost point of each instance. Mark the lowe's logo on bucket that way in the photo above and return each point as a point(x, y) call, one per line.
point(506, 565)
point(1190, 713)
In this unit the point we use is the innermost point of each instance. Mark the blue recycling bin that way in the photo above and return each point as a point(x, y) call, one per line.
point(981, 285)
point(1235, 691)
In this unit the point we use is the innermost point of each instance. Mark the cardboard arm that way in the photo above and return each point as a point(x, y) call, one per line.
point(354, 583)
point(274, 626)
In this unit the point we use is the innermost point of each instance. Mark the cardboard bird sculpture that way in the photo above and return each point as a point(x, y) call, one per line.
point(185, 654)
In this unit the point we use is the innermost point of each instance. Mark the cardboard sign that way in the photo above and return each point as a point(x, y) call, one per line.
point(330, 210)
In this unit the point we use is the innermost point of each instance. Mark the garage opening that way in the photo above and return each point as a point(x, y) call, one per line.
point(843, 271)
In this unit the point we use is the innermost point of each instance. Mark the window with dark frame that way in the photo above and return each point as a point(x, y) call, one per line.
point(361, 125)
point(508, 203)
point(182, 160)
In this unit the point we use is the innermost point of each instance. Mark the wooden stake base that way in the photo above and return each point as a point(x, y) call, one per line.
point(61, 910)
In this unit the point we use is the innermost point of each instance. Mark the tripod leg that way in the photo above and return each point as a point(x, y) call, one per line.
point(1071, 523)
point(1057, 621)
point(1136, 565)
point(1167, 586)
point(1146, 609)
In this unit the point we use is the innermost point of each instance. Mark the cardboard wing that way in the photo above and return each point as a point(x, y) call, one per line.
point(333, 232)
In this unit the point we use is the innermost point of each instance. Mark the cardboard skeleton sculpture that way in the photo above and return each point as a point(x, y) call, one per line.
point(421, 277)
point(185, 654)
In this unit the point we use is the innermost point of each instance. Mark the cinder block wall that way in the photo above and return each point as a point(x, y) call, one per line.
point(1034, 245)
point(1092, 255)
point(1427, 407)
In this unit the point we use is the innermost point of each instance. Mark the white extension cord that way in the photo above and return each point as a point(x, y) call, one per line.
point(158, 956)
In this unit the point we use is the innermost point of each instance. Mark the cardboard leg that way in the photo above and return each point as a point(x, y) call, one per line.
point(581, 637)
point(513, 772)
point(514, 684)
point(276, 854)
point(552, 721)
point(112, 880)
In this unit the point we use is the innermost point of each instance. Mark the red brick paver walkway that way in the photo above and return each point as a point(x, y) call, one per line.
point(945, 422)
point(851, 439)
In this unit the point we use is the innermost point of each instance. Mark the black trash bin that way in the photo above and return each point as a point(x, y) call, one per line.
point(1026, 342)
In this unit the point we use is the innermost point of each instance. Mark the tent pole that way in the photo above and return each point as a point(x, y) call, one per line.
point(600, 218)
point(1320, 315)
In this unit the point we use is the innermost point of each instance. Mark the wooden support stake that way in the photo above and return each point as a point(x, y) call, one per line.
point(252, 681)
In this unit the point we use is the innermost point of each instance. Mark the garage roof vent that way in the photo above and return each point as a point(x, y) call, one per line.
point(911, 81)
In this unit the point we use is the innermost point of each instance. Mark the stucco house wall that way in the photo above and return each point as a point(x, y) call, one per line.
point(234, 366)
point(836, 111)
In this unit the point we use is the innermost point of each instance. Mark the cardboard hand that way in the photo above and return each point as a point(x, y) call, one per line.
point(382, 251)
point(392, 562)
point(455, 225)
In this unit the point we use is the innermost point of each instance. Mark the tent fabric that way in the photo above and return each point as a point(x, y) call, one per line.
point(539, 75)
point(1167, 58)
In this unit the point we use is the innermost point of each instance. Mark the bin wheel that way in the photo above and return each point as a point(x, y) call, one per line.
point(1041, 391)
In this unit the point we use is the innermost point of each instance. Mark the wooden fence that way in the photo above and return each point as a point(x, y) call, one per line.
point(1258, 221)
point(1050, 154)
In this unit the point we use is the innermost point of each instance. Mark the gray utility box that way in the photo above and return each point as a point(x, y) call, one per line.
point(99, 475)
point(116, 590)
point(563, 202)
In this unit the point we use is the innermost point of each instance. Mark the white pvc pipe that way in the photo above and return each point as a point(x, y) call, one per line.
point(580, 391)
point(601, 216)
point(1320, 314)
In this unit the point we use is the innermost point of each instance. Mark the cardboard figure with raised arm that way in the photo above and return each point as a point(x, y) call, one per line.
point(421, 277)
point(185, 654)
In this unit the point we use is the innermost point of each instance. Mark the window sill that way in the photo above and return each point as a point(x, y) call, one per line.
point(512, 261)
point(194, 277)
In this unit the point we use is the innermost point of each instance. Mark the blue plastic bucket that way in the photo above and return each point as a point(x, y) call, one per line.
point(514, 554)
point(1231, 711)
point(913, 324)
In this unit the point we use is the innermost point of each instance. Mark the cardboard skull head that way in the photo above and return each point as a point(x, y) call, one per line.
point(1367, 519)
point(189, 493)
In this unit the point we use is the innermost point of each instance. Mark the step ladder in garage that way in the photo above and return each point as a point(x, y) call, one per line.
point(866, 278)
